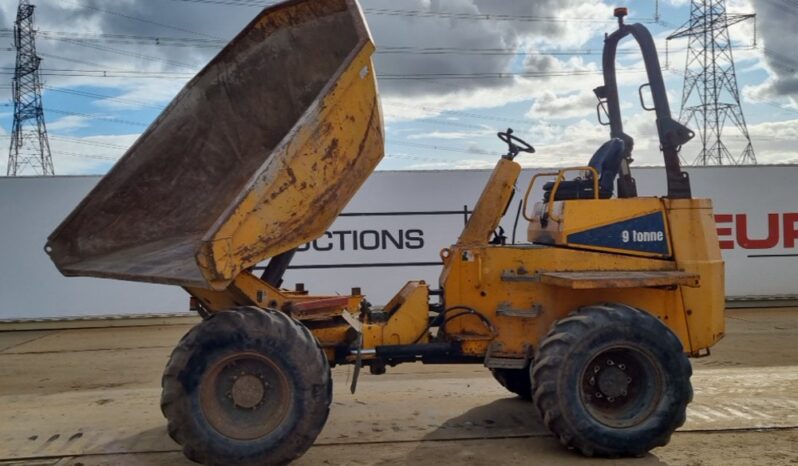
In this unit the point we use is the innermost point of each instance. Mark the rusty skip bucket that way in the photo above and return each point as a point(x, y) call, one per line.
point(258, 154)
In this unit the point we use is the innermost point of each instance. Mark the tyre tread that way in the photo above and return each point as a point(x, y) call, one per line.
point(253, 322)
point(554, 350)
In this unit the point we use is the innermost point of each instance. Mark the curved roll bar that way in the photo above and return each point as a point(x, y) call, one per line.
point(672, 134)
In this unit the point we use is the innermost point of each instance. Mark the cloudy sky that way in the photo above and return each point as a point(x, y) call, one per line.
point(110, 66)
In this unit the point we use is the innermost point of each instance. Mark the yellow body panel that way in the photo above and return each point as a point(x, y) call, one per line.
point(317, 172)
point(574, 216)
point(409, 311)
point(490, 207)
point(249, 290)
point(697, 250)
point(492, 279)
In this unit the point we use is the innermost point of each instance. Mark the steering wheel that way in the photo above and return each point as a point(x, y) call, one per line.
point(515, 144)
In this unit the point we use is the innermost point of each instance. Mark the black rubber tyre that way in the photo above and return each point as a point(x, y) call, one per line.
point(515, 380)
point(246, 387)
point(612, 380)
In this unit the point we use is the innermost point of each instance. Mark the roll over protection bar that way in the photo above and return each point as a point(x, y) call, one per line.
point(672, 134)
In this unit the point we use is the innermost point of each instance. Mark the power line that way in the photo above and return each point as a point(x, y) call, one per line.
point(97, 117)
point(88, 142)
point(138, 19)
point(432, 14)
point(86, 156)
point(403, 76)
point(508, 75)
point(85, 142)
point(128, 39)
point(73, 60)
point(109, 73)
point(483, 16)
point(97, 96)
point(383, 49)
point(127, 53)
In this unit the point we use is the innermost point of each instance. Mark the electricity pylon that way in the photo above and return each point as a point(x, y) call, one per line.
point(711, 97)
point(30, 147)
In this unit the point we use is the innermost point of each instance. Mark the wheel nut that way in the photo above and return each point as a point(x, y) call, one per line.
point(628, 380)
point(610, 363)
point(610, 399)
point(623, 393)
point(599, 395)
point(596, 369)
point(592, 381)
point(622, 367)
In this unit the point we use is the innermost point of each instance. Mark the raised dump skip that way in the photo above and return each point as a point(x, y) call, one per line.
point(256, 155)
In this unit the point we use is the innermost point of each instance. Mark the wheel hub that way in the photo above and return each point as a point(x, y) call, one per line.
point(245, 395)
point(248, 391)
point(613, 382)
point(621, 386)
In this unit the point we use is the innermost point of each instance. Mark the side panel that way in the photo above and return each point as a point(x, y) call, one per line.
point(645, 233)
point(698, 251)
point(634, 226)
point(501, 283)
point(407, 325)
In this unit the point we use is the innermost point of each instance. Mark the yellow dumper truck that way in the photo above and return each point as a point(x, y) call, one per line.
point(593, 319)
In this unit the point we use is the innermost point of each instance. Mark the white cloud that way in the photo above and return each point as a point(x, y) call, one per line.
point(459, 164)
point(442, 135)
point(556, 107)
point(551, 101)
point(69, 122)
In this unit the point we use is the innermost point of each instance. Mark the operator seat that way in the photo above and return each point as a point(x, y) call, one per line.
point(606, 161)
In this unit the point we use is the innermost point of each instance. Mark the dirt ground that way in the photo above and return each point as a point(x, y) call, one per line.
point(90, 397)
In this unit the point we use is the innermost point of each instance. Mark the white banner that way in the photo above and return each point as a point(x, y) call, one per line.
point(392, 232)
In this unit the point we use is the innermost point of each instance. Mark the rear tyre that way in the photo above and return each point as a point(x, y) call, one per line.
point(246, 387)
point(612, 380)
point(515, 380)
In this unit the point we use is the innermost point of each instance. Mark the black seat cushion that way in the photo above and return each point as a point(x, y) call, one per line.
point(606, 161)
point(574, 189)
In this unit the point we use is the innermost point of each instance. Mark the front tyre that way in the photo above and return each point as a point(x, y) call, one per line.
point(612, 380)
point(246, 387)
